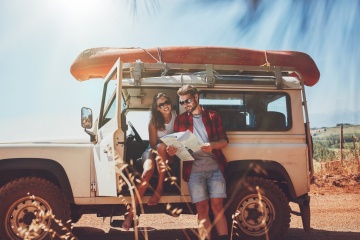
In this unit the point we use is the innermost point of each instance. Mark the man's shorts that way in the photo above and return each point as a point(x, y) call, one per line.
point(205, 185)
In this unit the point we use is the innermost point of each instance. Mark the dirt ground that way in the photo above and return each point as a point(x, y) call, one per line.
point(335, 215)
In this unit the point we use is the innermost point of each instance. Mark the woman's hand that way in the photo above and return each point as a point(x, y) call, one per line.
point(171, 150)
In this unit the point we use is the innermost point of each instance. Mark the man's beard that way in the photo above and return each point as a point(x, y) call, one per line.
point(193, 107)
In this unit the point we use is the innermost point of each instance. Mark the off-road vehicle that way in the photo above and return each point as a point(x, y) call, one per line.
point(264, 112)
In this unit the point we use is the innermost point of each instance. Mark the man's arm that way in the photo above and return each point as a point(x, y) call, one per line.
point(208, 147)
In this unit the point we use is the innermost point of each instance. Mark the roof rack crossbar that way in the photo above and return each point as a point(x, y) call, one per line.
point(139, 70)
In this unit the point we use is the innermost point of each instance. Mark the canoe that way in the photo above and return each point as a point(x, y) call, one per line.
point(97, 62)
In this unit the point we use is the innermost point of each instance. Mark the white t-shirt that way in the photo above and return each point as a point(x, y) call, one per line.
point(203, 161)
point(169, 127)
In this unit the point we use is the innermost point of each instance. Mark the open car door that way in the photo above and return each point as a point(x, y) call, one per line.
point(109, 149)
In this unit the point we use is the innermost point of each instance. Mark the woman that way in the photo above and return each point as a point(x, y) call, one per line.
point(161, 123)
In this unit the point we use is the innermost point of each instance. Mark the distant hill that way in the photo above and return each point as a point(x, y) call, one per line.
point(335, 130)
point(331, 119)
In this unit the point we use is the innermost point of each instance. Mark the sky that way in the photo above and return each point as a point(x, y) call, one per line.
point(39, 40)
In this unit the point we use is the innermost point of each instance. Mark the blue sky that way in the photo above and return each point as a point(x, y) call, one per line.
point(39, 40)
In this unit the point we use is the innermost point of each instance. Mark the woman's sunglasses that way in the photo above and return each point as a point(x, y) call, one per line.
point(187, 101)
point(161, 105)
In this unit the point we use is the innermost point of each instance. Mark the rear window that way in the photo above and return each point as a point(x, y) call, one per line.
point(250, 111)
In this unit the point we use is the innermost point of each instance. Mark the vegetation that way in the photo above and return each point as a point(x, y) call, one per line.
point(337, 166)
point(327, 143)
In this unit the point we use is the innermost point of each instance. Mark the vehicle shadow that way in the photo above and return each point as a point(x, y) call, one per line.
point(89, 233)
point(319, 234)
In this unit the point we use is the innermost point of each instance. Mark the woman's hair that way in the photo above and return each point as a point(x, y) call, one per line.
point(156, 117)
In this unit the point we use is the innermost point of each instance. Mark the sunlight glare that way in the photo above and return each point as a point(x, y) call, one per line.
point(80, 10)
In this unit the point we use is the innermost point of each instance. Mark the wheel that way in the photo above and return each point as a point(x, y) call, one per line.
point(76, 213)
point(257, 209)
point(75, 217)
point(33, 208)
point(137, 135)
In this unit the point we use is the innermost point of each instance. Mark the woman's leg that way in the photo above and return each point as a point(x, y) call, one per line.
point(161, 164)
point(149, 166)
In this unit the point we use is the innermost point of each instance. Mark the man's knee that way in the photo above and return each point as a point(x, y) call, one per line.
point(217, 205)
point(202, 207)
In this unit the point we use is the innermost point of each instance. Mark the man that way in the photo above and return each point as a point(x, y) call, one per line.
point(205, 175)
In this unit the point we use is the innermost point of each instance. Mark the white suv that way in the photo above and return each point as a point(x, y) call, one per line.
point(269, 154)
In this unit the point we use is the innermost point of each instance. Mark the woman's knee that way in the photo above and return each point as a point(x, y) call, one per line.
point(161, 148)
point(163, 155)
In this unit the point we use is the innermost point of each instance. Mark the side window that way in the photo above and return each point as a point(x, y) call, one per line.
point(250, 111)
point(109, 104)
point(230, 106)
point(140, 120)
point(279, 105)
point(276, 114)
point(111, 111)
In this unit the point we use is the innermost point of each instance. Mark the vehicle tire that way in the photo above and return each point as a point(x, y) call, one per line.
point(33, 208)
point(257, 209)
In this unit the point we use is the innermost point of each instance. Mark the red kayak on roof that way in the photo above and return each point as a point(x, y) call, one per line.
point(96, 62)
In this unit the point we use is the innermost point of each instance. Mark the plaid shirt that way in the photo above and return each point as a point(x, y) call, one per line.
point(214, 128)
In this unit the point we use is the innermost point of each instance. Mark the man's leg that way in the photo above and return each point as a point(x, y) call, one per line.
point(204, 224)
point(217, 189)
point(200, 196)
point(217, 207)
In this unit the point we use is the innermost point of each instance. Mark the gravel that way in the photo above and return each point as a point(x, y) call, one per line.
point(335, 216)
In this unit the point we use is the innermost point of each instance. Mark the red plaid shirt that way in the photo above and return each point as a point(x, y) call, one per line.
point(214, 128)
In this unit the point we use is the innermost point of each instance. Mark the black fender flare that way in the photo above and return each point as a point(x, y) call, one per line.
point(40, 164)
point(263, 168)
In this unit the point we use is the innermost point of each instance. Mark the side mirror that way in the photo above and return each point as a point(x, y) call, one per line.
point(86, 118)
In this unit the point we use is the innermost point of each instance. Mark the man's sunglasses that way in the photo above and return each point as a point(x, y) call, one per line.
point(187, 101)
point(161, 105)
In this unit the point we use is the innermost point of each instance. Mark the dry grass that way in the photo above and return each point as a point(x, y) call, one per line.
point(332, 177)
point(36, 229)
point(337, 177)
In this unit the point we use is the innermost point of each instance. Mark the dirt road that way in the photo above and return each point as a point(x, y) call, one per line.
point(335, 216)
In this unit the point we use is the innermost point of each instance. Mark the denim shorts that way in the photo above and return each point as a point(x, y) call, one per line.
point(205, 185)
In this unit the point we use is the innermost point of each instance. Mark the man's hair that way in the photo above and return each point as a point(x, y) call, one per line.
point(187, 89)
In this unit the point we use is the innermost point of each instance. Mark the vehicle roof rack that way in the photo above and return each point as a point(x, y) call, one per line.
point(209, 74)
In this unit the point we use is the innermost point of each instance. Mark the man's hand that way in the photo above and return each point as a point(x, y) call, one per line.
point(207, 147)
point(171, 150)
